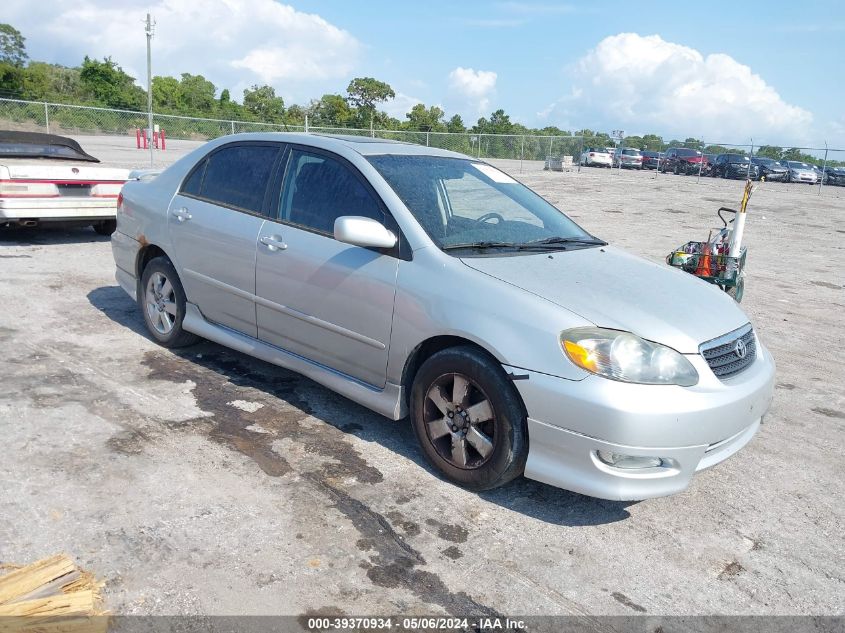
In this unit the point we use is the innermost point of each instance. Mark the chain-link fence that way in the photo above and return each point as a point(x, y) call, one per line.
point(108, 130)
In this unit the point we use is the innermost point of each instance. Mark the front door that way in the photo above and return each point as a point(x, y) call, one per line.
point(215, 221)
point(324, 300)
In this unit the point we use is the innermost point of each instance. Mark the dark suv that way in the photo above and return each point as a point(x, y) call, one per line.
point(680, 160)
point(734, 166)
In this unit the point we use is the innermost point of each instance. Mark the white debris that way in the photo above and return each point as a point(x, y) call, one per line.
point(245, 405)
point(256, 428)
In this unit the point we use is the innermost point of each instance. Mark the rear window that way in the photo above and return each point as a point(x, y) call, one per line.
point(235, 176)
point(687, 152)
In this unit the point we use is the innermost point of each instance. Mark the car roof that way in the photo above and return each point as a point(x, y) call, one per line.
point(364, 145)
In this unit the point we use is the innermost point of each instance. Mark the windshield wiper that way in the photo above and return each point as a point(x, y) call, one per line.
point(551, 241)
point(480, 245)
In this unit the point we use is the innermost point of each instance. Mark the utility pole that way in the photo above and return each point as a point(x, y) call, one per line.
point(149, 30)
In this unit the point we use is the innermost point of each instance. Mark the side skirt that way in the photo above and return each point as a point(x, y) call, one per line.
point(389, 402)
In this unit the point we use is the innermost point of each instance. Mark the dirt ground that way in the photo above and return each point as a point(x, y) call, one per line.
point(205, 482)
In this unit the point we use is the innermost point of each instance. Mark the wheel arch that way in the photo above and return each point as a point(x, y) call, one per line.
point(430, 346)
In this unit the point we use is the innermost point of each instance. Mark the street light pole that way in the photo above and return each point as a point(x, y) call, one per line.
point(149, 30)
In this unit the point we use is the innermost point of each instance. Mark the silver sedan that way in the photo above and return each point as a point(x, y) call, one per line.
point(428, 285)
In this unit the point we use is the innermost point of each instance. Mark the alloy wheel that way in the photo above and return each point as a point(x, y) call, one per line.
point(460, 421)
point(161, 303)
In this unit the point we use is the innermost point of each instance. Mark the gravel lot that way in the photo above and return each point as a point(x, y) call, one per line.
point(205, 482)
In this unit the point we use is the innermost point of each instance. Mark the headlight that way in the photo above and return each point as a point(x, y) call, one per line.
point(623, 356)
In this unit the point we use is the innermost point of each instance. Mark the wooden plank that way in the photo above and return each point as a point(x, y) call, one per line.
point(25, 580)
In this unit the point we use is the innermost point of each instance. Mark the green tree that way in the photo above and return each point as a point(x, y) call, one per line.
point(262, 102)
point(456, 124)
point(106, 82)
point(425, 120)
point(330, 110)
point(653, 142)
point(196, 94)
point(633, 141)
point(366, 92)
point(770, 151)
point(11, 80)
point(167, 95)
point(12, 46)
point(295, 115)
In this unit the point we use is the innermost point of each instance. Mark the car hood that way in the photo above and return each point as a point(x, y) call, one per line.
point(617, 290)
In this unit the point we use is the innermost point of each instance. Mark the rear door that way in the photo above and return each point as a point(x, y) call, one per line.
point(214, 221)
point(322, 299)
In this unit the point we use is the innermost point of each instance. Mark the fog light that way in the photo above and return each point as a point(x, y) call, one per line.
point(618, 460)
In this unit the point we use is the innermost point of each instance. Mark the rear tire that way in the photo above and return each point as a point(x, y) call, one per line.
point(106, 227)
point(162, 302)
point(468, 418)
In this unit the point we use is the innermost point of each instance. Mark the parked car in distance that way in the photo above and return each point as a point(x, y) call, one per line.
point(45, 178)
point(734, 166)
point(707, 168)
point(651, 159)
point(798, 171)
point(680, 160)
point(834, 175)
point(769, 168)
point(424, 283)
point(596, 157)
point(628, 157)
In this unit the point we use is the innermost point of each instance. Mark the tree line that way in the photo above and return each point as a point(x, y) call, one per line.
point(105, 84)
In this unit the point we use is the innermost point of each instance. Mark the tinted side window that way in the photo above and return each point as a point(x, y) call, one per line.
point(237, 176)
point(192, 185)
point(319, 189)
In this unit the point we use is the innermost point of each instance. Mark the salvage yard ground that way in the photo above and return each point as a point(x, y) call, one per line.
point(202, 481)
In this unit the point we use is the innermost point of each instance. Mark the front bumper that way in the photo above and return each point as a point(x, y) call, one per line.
point(690, 428)
point(57, 209)
point(773, 176)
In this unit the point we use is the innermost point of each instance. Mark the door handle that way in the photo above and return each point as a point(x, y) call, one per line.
point(273, 242)
point(182, 215)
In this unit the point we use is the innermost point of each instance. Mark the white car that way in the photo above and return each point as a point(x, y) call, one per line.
point(48, 178)
point(801, 172)
point(596, 157)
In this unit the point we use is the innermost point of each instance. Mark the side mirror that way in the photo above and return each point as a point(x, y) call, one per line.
point(361, 231)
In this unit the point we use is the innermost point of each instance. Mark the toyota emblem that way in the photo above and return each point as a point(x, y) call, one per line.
point(740, 349)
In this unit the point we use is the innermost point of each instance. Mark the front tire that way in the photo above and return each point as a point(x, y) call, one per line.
point(162, 302)
point(469, 419)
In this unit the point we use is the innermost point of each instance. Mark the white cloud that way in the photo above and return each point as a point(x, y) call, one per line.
point(234, 43)
point(475, 87)
point(655, 85)
point(400, 105)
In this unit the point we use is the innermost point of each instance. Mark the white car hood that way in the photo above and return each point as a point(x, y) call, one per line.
point(617, 290)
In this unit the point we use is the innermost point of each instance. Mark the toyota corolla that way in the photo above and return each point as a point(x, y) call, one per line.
point(428, 285)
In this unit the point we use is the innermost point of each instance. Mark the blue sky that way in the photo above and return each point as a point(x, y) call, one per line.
point(768, 70)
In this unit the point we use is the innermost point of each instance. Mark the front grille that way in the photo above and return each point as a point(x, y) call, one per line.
point(722, 355)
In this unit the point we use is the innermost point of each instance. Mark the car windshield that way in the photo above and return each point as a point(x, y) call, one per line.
point(466, 203)
point(688, 152)
point(737, 158)
point(631, 152)
point(798, 165)
point(764, 161)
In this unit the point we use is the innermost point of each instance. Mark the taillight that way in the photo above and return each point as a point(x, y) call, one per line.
point(22, 189)
point(120, 200)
